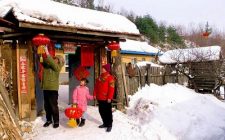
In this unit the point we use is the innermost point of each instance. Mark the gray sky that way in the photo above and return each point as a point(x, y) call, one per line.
point(182, 12)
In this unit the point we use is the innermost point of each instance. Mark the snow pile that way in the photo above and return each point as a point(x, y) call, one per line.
point(178, 112)
point(169, 112)
point(58, 14)
point(192, 54)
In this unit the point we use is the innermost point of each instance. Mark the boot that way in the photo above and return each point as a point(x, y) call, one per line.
point(82, 122)
point(47, 123)
point(108, 129)
point(55, 125)
point(101, 126)
point(78, 121)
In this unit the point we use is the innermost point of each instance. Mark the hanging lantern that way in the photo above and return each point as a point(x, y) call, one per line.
point(206, 34)
point(208, 31)
point(73, 113)
point(114, 47)
point(40, 41)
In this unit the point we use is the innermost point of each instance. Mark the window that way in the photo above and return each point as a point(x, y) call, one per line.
point(143, 59)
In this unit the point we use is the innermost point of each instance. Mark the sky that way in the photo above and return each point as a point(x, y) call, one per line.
point(178, 12)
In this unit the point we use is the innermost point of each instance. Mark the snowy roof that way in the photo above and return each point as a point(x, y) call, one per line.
point(137, 47)
point(209, 53)
point(144, 63)
point(48, 12)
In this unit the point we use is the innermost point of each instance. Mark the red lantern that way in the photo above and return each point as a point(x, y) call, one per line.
point(113, 46)
point(205, 34)
point(73, 112)
point(40, 39)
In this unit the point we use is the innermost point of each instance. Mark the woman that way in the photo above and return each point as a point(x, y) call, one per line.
point(103, 92)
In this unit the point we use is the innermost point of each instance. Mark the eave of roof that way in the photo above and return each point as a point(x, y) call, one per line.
point(140, 53)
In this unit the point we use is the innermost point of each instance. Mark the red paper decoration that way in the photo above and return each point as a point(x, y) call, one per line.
point(80, 73)
point(87, 56)
point(73, 112)
point(113, 46)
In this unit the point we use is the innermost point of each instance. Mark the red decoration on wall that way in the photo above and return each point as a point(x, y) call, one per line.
point(113, 46)
point(73, 112)
point(80, 73)
point(23, 73)
point(87, 56)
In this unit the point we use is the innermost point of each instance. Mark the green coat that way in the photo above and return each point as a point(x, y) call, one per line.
point(50, 80)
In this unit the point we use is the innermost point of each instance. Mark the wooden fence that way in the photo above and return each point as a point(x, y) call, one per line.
point(149, 74)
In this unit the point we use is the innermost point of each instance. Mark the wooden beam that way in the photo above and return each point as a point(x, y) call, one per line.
point(6, 23)
point(11, 35)
point(109, 34)
point(47, 27)
point(77, 37)
point(5, 29)
point(70, 29)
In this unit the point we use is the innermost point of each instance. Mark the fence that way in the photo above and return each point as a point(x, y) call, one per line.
point(138, 77)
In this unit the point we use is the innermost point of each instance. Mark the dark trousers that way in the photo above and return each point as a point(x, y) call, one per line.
point(51, 105)
point(105, 110)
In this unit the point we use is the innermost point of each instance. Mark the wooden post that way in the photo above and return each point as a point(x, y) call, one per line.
point(22, 80)
point(31, 80)
point(117, 72)
point(125, 84)
point(149, 74)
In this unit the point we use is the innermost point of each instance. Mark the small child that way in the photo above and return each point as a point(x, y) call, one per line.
point(81, 95)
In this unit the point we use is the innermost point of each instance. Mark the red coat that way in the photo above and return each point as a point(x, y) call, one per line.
point(104, 87)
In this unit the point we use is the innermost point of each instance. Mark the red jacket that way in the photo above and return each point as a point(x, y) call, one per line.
point(104, 87)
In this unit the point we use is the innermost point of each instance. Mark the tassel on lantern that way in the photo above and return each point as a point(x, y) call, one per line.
point(114, 47)
point(72, 122)
point(114, 53)
point(40, 51)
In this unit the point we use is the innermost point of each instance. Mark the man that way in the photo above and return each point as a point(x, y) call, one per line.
point(103, 92)
point(50, 86)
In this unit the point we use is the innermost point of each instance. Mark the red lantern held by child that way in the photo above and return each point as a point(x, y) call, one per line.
point(114, 46)
point(73, 113)
point(41, 40)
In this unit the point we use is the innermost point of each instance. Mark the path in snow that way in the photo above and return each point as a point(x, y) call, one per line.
point(123, 128)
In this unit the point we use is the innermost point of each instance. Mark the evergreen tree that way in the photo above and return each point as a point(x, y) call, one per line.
point(148, 27)
point(162, 32)
point(173, 37)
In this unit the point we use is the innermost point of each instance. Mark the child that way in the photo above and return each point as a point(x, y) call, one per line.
point(80, 97)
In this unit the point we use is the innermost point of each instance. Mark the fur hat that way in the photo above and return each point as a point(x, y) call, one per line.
point(107, 67)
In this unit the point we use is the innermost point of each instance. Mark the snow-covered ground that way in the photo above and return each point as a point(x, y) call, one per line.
point(169, 112)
